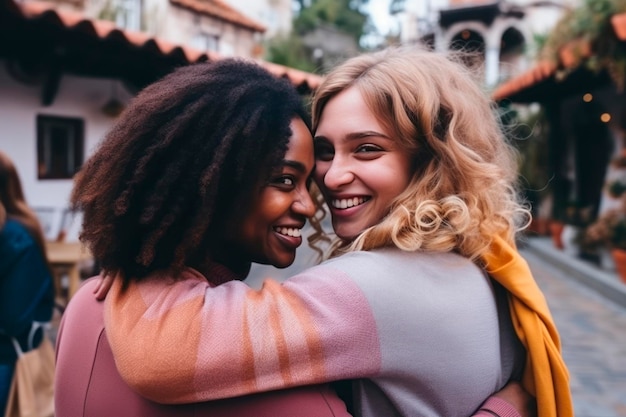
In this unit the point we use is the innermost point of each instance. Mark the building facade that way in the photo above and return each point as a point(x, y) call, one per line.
point(65, 75)
point(501, 32)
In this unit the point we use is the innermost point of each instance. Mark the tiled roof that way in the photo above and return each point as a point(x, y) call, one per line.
point(105, 31)
point(540, 72)
point(546, 69)
point(221, 10)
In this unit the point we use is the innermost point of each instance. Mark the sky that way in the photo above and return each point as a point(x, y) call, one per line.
point(379, 11)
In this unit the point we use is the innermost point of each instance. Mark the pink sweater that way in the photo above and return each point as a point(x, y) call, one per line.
point(88, 384)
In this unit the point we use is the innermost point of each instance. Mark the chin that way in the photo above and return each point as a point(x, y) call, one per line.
point(346, 236)
point(345, 233)
point(284, 263)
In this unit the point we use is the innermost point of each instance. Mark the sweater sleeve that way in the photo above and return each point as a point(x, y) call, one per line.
point(316, 327)
point(496, 407)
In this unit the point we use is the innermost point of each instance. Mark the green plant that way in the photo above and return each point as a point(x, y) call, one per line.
point(109, 11)
point(590, 24)
point(618, 232)
point(616, 188)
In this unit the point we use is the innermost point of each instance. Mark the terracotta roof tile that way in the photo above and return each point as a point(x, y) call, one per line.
point(105, 29)
point(296, 76)
point(538, 73)
point(569, 57)
point(219, 9)
point(619, 25)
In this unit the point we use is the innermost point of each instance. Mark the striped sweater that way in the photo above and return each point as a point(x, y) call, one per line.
point(422, 333)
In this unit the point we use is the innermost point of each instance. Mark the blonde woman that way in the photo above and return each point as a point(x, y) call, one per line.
point(420, 184)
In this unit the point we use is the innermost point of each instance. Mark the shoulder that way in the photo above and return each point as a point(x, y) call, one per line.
point(398, 273)
point(14, 238)
point(394, 260)
point(15, 233)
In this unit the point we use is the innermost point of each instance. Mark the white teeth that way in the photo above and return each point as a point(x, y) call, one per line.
point(348, 202)
point(288, 231)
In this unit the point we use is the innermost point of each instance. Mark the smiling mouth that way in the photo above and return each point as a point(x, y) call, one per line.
point(288, 231)
point(346, 203)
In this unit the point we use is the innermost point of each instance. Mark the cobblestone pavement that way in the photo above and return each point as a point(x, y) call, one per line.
point(593, 338)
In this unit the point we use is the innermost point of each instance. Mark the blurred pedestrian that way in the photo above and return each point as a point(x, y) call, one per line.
point(26, 284)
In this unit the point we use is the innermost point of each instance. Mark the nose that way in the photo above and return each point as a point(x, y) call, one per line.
point(304, 204)
point(334, 173)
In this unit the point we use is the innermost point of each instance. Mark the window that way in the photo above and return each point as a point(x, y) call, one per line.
point(128, 14)
point(206, 42)
point(60, 144)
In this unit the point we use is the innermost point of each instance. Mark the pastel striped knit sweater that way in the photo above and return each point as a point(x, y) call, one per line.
point(422, 332)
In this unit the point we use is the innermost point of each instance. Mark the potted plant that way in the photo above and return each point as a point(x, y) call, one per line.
point(585, 36)
point(575, 218)
point(609, 231)
point(616, 188)
point(617, 224)
point(595, 243)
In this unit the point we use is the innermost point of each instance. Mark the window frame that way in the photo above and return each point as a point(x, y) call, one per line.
point(74, 147)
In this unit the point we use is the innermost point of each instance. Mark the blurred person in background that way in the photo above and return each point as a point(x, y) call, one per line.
point(26, 283)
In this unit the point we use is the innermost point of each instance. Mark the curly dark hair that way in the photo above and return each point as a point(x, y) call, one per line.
point(184, 154)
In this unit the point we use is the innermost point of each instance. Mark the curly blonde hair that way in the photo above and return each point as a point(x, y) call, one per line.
point(463, 188)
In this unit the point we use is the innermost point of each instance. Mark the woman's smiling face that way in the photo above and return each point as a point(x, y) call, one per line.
point(269, 230)
point(359, 167)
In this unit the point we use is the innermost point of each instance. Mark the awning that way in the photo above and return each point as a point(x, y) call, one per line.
point(541, 83)
point(35, 34)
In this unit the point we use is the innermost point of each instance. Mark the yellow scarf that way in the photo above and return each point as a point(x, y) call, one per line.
point(545, 375)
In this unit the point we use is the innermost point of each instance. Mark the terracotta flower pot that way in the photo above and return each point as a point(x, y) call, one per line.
point(619, 256)
point(619, 25)
point(539, 226)
point(556, 231)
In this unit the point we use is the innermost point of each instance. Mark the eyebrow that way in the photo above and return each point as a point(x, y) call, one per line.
point(299, 166)
point(358, 135)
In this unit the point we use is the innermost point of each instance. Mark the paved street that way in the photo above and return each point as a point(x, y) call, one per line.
point(593, 336)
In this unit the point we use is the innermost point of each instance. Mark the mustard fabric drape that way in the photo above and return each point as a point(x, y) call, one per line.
point(545, 375)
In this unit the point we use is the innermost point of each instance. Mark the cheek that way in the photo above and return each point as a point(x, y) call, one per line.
point(247, 228)
point(272, 205)
point(390, 184)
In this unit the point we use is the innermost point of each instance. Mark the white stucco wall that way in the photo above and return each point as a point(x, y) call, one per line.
point(19, 106)
point(180, 26)
point(275, 15)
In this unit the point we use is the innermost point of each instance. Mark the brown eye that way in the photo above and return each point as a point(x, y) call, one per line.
point(284, 181)
point(368, 148)
point(324, 152)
